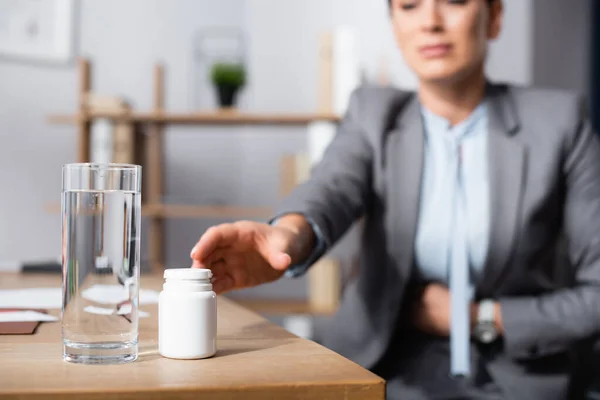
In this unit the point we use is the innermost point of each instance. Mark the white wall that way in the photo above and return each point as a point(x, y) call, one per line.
point(511, 58)
point(31, 155)
point(563, 44)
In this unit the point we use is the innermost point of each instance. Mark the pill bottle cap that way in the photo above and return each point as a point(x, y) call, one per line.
point(188, 274)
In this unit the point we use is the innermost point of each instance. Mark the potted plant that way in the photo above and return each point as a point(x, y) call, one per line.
point(228, 79)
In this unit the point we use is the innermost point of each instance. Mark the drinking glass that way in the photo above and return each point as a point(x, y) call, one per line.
point(101, 212)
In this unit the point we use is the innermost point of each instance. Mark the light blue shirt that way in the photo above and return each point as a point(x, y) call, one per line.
point(434, 230)
point(452, 233)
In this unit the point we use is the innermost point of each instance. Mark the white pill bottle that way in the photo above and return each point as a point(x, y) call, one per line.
point(187, 315)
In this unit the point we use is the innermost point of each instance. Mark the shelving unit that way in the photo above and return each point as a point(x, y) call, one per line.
point(150, 126)
point(215, 118)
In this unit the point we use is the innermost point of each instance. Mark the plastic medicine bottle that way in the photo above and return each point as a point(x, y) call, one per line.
point(187, 314)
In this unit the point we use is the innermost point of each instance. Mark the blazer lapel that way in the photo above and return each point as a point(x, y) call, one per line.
point(404, 157)
point(507, 158)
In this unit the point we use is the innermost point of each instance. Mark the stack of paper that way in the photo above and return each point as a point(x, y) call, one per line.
point(115, 294)
point(26, 316)
point(45, 298)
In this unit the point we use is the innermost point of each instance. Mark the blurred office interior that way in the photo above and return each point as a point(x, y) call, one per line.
point(232, 165)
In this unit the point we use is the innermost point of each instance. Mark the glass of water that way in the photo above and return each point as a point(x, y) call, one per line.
point(101, 212)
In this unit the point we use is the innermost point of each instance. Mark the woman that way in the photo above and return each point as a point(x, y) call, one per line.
point(466, 188)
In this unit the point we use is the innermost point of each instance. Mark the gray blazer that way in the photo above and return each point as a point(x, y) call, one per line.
point(545, 182)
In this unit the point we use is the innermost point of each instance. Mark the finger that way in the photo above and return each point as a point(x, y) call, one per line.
point(223, 284)
point(215, 237)
point(217, 268)
point(220, 254)
point(279, 260)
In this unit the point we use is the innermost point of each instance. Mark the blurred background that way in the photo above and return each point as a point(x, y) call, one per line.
point(291, 65)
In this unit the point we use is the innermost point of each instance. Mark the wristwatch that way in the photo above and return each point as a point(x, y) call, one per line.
point(485, 328)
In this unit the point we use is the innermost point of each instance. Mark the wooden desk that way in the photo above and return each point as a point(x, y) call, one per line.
point(255, 360)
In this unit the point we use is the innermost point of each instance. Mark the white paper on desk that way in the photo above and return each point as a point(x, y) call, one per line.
point(31, 298)
point(126, 309)
point(115, 294)
point(148, 296)
point(26, 316)
point(99, 310)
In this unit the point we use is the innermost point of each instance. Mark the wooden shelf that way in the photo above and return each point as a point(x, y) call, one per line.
point(207, 211)
point(281, 306)
point(207, 118)
point(193, 211)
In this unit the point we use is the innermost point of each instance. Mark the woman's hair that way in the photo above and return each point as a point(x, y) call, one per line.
point(390, 2)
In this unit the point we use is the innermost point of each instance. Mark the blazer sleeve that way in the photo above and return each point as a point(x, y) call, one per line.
point(340, 184)
point(537, 326)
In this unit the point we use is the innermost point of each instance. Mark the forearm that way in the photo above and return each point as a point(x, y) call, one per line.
point(305, 239)
point(538, 325)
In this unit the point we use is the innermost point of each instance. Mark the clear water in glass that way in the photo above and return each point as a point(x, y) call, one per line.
point(100, 275)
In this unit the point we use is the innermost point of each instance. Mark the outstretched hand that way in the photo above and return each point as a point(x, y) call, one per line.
point(243, 254)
